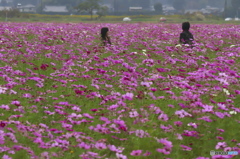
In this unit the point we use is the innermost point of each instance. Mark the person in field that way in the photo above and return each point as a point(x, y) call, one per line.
point(104, 36)
point(186, 36)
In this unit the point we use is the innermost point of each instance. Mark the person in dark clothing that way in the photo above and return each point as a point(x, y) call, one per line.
point(104, 36)
point(186, 36)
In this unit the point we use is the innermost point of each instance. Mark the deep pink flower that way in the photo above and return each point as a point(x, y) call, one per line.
point(136, 152)
point(147, 153)
point(44, 67)
point(77, 91)
point(2, 124)
point(178, 123)
point(220, 138)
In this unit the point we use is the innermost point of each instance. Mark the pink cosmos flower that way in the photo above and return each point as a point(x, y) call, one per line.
point(220, 145)
point(100, 145)
point(186, 148)
point(227, 149)
point(178, 123)
point(121, 156)
point(15, 102)
point(179, 136)
point(128, 96)
point(140, 133)
point(6, 157)
point(133, 114)
point(136, 152)
point(147, 153)
point(165, 151)
point(220, 138)
point(165, 142)
point(163, 117)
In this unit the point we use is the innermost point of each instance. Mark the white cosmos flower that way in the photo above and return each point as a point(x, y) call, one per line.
point(233, 112)
point(226, 91)
point(232, 46)
point(3, 90)
point(178, 45)
point(191, 124)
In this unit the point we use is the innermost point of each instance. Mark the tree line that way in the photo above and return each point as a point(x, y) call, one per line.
point(231, 7)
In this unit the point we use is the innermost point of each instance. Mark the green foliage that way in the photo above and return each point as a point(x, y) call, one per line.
point(102, 11)
point(158, 7)
point(10, 13)
point(88, 6)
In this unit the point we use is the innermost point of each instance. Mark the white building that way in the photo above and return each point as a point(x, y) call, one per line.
point(5, 8)
point(55, 9)
point(29, 8)
point(135, 8)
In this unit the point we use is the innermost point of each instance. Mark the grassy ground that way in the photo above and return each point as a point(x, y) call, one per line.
point(114, 19)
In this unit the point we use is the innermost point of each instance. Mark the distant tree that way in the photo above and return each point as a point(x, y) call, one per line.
point(179, 5)
point(88, 6)
point(102, 11)
point(158, 7)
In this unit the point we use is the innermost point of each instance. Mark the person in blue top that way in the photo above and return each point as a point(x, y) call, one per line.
point(186, 36)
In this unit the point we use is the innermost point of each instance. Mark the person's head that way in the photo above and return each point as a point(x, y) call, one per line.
point(104, 32)
point(185, 26)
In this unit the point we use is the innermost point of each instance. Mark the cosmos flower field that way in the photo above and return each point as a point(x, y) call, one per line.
point(63, 96)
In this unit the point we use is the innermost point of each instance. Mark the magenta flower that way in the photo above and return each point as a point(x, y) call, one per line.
point(100, 145)
point(121, 156)
point(219, 114)
point(147, 153)
point(220, 145)
point(140, 133)
point(165, 142)
point(2, 125)
point(136, 152)
point(164, 151)
point(219, 138)
point(186, 148)
point(133, 114)
point(227, 149)
point(6, 157)
point(128, 96)
point(192, 125)
point(179, 136)
point(15, 102)
point(178, 123)
point(163, 117)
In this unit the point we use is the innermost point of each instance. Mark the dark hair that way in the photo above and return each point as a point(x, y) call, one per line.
point(104, 31)
point(185, 26)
